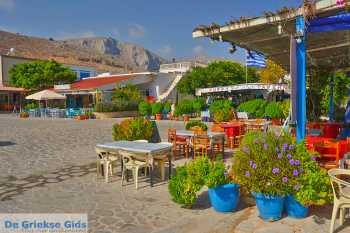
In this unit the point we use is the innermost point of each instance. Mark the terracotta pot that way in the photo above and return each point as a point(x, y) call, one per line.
point(177, 118)
point(276, 121)
point(186, 118)
point(81, 117)
point(158, 117)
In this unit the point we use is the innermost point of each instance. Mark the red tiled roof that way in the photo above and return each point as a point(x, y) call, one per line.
point(92, 83)
point(12, 89)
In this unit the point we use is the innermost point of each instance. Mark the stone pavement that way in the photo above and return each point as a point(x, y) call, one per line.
point(47, 166)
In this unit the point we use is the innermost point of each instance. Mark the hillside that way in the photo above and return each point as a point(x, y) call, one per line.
point(106, 54)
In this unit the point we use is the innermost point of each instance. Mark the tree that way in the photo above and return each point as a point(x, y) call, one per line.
point(272, 73)
point(221, 73)
point(39, 75)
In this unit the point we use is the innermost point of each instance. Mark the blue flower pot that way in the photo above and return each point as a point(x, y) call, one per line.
point(270, 207)
point(224, 198)
point(294, 208)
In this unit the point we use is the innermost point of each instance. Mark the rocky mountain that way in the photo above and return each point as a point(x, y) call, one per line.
point(133, 55)
point(106, 54)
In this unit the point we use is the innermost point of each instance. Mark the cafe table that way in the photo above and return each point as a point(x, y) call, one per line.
point(146, 150)
point(311, 141)
point(212, 136)
point(232, 129)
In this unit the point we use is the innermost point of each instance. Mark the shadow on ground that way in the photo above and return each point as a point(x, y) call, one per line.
point(11, 186)
point(7, 143)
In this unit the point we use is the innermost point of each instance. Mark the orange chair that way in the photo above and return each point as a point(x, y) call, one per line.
point(330, 154)
point(201, 145)
point(180, 144)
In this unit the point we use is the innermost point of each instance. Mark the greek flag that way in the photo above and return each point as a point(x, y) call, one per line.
point(255, 59)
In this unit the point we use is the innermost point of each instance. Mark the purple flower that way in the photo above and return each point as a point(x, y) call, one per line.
point(279, 156)
point(301, 170)
point(295, 173)
point(266, 146)
point(297, 162)
point(275, 170)
point(247, 174)
point(246, 149)
point(251, 163)
point(225, 173)
point(277, 149)
point(284, 147)
point(291, 162)
point(289, 156)
point(297, 187)
point(285, 179)
point(313, 158)
point(291, 147)
point(256, 141)
point(254, 166)
point(263, 140)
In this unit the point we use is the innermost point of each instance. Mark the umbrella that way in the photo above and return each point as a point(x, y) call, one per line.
point(45, 95)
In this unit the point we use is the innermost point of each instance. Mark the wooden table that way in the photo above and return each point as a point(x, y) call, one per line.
point(150, 151)
point(211, 135)
point(343, 144)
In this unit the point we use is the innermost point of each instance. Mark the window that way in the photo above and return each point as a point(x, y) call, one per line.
point(84, 74)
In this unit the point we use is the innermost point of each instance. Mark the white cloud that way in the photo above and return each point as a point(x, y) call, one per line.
point(166, 50)
point(7, 5)
point(198, 50)
point(115, 33)
point(136, 30)
point(70, 35)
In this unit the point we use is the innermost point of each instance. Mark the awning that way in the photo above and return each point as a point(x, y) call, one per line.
point(241, 87)
point(11, 89)
point(270, 35)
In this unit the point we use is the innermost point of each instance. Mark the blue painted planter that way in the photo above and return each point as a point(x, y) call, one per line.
point(294, 208)
point(224, 198)
point(270, 207)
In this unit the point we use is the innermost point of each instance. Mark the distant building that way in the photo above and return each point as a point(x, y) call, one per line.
point(12, 98)
point(7, 62)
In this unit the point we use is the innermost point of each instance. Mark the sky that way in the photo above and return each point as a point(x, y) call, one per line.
point(162, 26)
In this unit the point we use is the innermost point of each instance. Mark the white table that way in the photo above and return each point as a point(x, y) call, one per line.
point(211, 135)
point(149, 150)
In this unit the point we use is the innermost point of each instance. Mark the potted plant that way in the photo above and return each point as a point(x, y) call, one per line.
point(133, 129)
point(157, 110)
point(23, 115)
point(167, 109)
point(145, 109)
point(223, 194)
point(312, 188)
point(263, 166)
point(274, 111)
point(221, 111)
point(196, 123)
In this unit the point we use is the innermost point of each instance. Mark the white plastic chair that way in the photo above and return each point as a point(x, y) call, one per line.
point(108, 160)
point(341, 191)
point(130, 163)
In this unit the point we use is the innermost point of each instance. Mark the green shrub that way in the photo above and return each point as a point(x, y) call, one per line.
point(191, 177)
point(167, 107)
point(314, 186)
point(126, 98)
point(223, 115)
point(274, 110)
point(198, 123)
point(198, 105)
point(184, 107)
point(285, 106)
point(145, 108)
point(220, 105)
point(104, 107)
point(133, 129)
point(255, 108)
point(157, 108)
point(32, 105)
